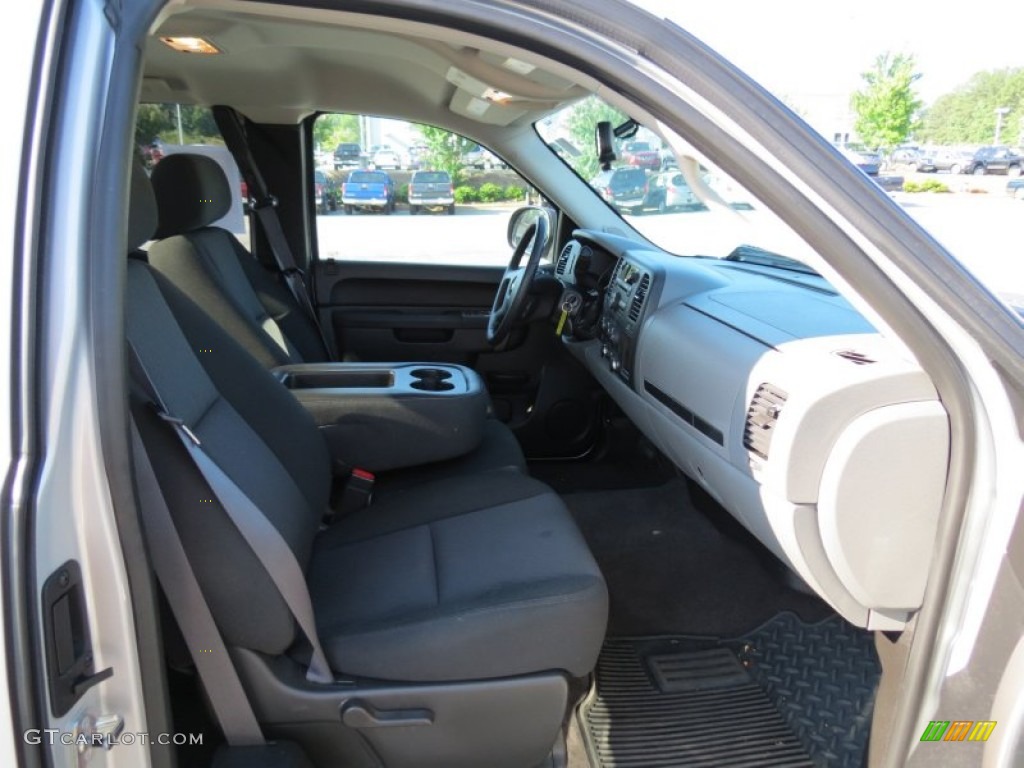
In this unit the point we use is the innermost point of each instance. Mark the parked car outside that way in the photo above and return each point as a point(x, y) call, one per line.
point(368, 191)
point(999, 159)
point(431, 190)
point(669, 191)
point(482, 159)
point(347, 155)
point(954, 160)
point(868, 161)
point(1015, 188)
point(325, 192)
point(641, 155)
point(906, 155)
point(385, 157)
point(624, 188)
point(417, 156)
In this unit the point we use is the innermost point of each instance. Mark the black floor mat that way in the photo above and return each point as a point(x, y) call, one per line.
point(707, 711)
point(670, 570)
point(788, 693)
point(822, 677)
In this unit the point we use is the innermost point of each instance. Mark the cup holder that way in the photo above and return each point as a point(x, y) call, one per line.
point(432, 380)
point(431, 373)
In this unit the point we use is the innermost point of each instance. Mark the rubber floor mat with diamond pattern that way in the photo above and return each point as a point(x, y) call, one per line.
point(785, 694)
point(659, 706)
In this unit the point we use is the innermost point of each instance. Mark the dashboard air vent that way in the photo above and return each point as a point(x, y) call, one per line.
point(638, 298)
point(858, 358)
point(762, 415)
point(563, 259)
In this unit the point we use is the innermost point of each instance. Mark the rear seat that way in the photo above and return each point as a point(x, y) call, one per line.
point(209, 265)
point(476, 578)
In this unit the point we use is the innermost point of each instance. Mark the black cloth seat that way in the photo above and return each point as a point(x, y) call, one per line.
point(483, 577)
point(210, 266)
point(472, 577)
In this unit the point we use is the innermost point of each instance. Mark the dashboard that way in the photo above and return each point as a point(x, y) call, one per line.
point(767, 388)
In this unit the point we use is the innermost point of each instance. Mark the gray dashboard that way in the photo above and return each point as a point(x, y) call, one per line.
point(765, 386)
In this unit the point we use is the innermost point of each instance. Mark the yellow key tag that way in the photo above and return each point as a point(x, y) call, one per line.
point(561, 322)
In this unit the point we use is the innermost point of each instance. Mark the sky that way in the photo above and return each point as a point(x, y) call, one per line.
point(802, 49)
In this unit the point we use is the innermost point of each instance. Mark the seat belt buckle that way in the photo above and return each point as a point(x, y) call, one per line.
point(358, 491)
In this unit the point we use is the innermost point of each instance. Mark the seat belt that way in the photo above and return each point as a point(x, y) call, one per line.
point(265, 207)
point(230, 705)
point(263, 538)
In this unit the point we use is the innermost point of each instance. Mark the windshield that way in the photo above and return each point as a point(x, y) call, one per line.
point(667, 191)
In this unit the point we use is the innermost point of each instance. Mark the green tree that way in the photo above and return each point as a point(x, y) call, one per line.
point(887, 106)
point(153, 120)
point(331, 130)
point(582, 123)
point(445, 150)
point(968, 114)
point(161, 121)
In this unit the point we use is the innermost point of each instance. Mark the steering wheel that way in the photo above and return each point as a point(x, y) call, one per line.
point(511, 300)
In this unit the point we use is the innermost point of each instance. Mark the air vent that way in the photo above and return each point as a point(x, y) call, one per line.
point(858, 358)
point(563, 259)
point(765, 407)
point(638, 298)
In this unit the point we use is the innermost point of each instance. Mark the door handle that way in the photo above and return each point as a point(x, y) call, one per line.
point(67, 639)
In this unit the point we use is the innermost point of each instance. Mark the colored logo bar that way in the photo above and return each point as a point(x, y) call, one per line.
point(958, 730)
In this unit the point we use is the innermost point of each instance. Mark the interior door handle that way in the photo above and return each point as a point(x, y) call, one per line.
point(358, 714)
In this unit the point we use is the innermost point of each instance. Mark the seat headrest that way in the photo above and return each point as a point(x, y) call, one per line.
point(142, 215)
point(192, 192)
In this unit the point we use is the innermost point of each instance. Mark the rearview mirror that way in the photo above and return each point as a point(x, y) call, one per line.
point(605, 145)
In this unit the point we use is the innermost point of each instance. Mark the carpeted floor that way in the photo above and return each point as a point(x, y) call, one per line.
point(670, 570)
point(624, 459)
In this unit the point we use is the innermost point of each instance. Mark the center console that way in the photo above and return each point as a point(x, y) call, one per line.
point(380, 417)
point(622, 315)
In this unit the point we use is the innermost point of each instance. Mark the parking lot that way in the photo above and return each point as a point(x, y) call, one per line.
point(476, 234)
point(984, 231)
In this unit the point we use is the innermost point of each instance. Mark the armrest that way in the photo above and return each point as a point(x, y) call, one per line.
point(381, 417)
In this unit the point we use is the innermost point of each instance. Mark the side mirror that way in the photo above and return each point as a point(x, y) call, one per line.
point(524, 218)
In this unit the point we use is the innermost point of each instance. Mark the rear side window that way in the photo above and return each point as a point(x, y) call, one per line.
point(431, 178)
point(629, 178)
point(168, 129)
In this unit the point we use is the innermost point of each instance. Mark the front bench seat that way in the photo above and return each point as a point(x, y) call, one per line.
point(479, 578)
point(209, 265)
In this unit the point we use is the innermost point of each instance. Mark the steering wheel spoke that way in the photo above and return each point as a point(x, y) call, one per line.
point(511, 302)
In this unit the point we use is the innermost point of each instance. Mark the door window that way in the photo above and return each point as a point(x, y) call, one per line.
point(395, 191)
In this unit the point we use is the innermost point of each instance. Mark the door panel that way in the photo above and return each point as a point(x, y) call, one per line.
point(388, 312)
point(406, 312)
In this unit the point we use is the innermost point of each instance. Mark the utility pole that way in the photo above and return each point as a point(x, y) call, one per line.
point(1000, 111)
point(181, 133)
